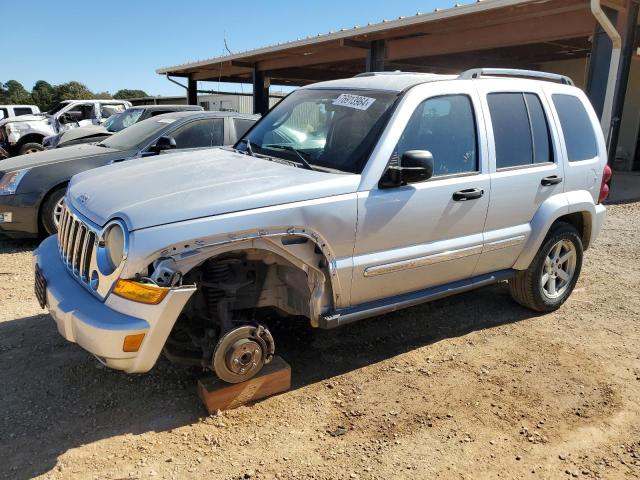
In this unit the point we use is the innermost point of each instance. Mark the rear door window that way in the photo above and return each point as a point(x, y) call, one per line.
point(520, 129)
point(577, 128)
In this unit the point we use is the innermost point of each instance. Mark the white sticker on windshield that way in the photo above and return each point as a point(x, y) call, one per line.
point(354, 101)
point(166, 120)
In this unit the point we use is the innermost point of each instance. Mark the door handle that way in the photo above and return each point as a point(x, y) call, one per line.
point(468, 194)
point(552, 180)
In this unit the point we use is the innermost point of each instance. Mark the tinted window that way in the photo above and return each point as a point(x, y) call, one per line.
point(22, 111)
point(446, 127)
point(520, 129)
point(201, 133)
point(542, 150)
point(155, 113)
point(576, 128)
point(511, 129)
point(4, 113)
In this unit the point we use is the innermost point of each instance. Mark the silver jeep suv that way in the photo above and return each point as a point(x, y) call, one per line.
point(349, 199)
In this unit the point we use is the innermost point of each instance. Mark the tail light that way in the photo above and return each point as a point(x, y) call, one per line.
point(604, 187)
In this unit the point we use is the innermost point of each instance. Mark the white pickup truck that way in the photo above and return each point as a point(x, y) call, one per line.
point(24, 134)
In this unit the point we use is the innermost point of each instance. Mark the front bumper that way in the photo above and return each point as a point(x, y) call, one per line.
point(100, 328)
point(23, 210)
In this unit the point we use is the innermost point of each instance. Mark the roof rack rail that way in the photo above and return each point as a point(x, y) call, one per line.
point(513, 72)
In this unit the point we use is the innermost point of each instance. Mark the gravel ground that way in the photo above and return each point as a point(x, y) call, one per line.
point(472, 386)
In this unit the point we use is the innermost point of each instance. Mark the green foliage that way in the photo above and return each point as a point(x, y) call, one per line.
point(45, 95)
point(14, 92)
point(102, 96)
point(73, 91)
point(125, 94)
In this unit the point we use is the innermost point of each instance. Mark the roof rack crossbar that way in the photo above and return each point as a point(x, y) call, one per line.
point(513, 72)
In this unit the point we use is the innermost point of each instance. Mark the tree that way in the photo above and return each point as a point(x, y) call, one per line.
point(125, 94)
point(102, 96)
point(72, 91)
point(43, 94)
point(13, 92)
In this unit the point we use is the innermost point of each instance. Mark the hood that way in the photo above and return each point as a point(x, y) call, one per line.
point(25, 118)
point(81, 132)
point(182, 186)
point(53, 156)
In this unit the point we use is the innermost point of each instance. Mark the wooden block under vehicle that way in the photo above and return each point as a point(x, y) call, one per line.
point(274, 377)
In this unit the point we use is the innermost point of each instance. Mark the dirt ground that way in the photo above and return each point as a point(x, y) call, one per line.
point(472, 386)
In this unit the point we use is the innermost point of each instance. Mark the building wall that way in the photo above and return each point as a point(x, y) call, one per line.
point(233, 103)
point(630, 120)
point(575, 69)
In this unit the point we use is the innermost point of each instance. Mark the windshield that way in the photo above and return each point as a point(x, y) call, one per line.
point(331, 129)
point(120, 121)
point(137, 134)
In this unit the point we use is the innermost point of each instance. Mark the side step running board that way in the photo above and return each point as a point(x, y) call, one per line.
point(348, 315)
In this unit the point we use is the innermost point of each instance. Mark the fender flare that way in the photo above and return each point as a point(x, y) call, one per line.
point(579, 201)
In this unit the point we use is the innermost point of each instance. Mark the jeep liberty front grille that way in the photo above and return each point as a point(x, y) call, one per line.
point(76, 241)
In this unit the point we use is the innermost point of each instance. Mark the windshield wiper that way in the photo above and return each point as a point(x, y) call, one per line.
point(289, 148)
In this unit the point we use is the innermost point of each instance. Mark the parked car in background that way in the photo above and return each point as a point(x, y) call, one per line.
point(115, 123)
point(24, 134)
point(32, 187)
point(10, 111)
point(396, 189)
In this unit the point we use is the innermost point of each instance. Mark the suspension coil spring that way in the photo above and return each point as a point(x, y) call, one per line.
point(215, 273)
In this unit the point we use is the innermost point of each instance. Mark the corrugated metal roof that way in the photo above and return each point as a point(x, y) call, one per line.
point(438, 14)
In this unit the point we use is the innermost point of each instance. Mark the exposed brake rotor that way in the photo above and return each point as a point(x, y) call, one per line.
point(242, 352)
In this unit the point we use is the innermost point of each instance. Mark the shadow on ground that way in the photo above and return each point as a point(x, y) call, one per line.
point(56, 397)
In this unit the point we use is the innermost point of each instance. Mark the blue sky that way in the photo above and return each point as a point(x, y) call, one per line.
point(115, 44)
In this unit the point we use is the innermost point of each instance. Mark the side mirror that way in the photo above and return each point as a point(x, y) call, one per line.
point(415, 166)
point(163, 143)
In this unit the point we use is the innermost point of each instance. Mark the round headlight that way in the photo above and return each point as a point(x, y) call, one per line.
point(114, 245)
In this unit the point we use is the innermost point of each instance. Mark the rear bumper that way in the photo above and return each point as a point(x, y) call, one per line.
point(598, 220)
point(100, 328)
point(24, 215)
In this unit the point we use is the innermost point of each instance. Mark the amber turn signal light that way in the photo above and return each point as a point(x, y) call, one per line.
point(132, 342)
point(140, 292)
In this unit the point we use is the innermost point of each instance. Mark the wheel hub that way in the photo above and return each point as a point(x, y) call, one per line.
point(242, 352)
point(244, 356)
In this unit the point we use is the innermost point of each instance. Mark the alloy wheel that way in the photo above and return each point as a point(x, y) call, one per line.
point(559, 269)
point(57, 212)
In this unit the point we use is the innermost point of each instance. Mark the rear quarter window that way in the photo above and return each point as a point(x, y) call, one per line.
point(577, 128)
point(22, 111)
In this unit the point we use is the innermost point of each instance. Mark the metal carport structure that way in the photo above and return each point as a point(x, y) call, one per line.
point(556, 35)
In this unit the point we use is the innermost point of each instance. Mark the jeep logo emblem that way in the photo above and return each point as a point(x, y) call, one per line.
point(83, 198)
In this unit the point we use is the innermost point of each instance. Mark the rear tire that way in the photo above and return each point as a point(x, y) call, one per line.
point(553, 273)
point(30, 147)
point(51, 210)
